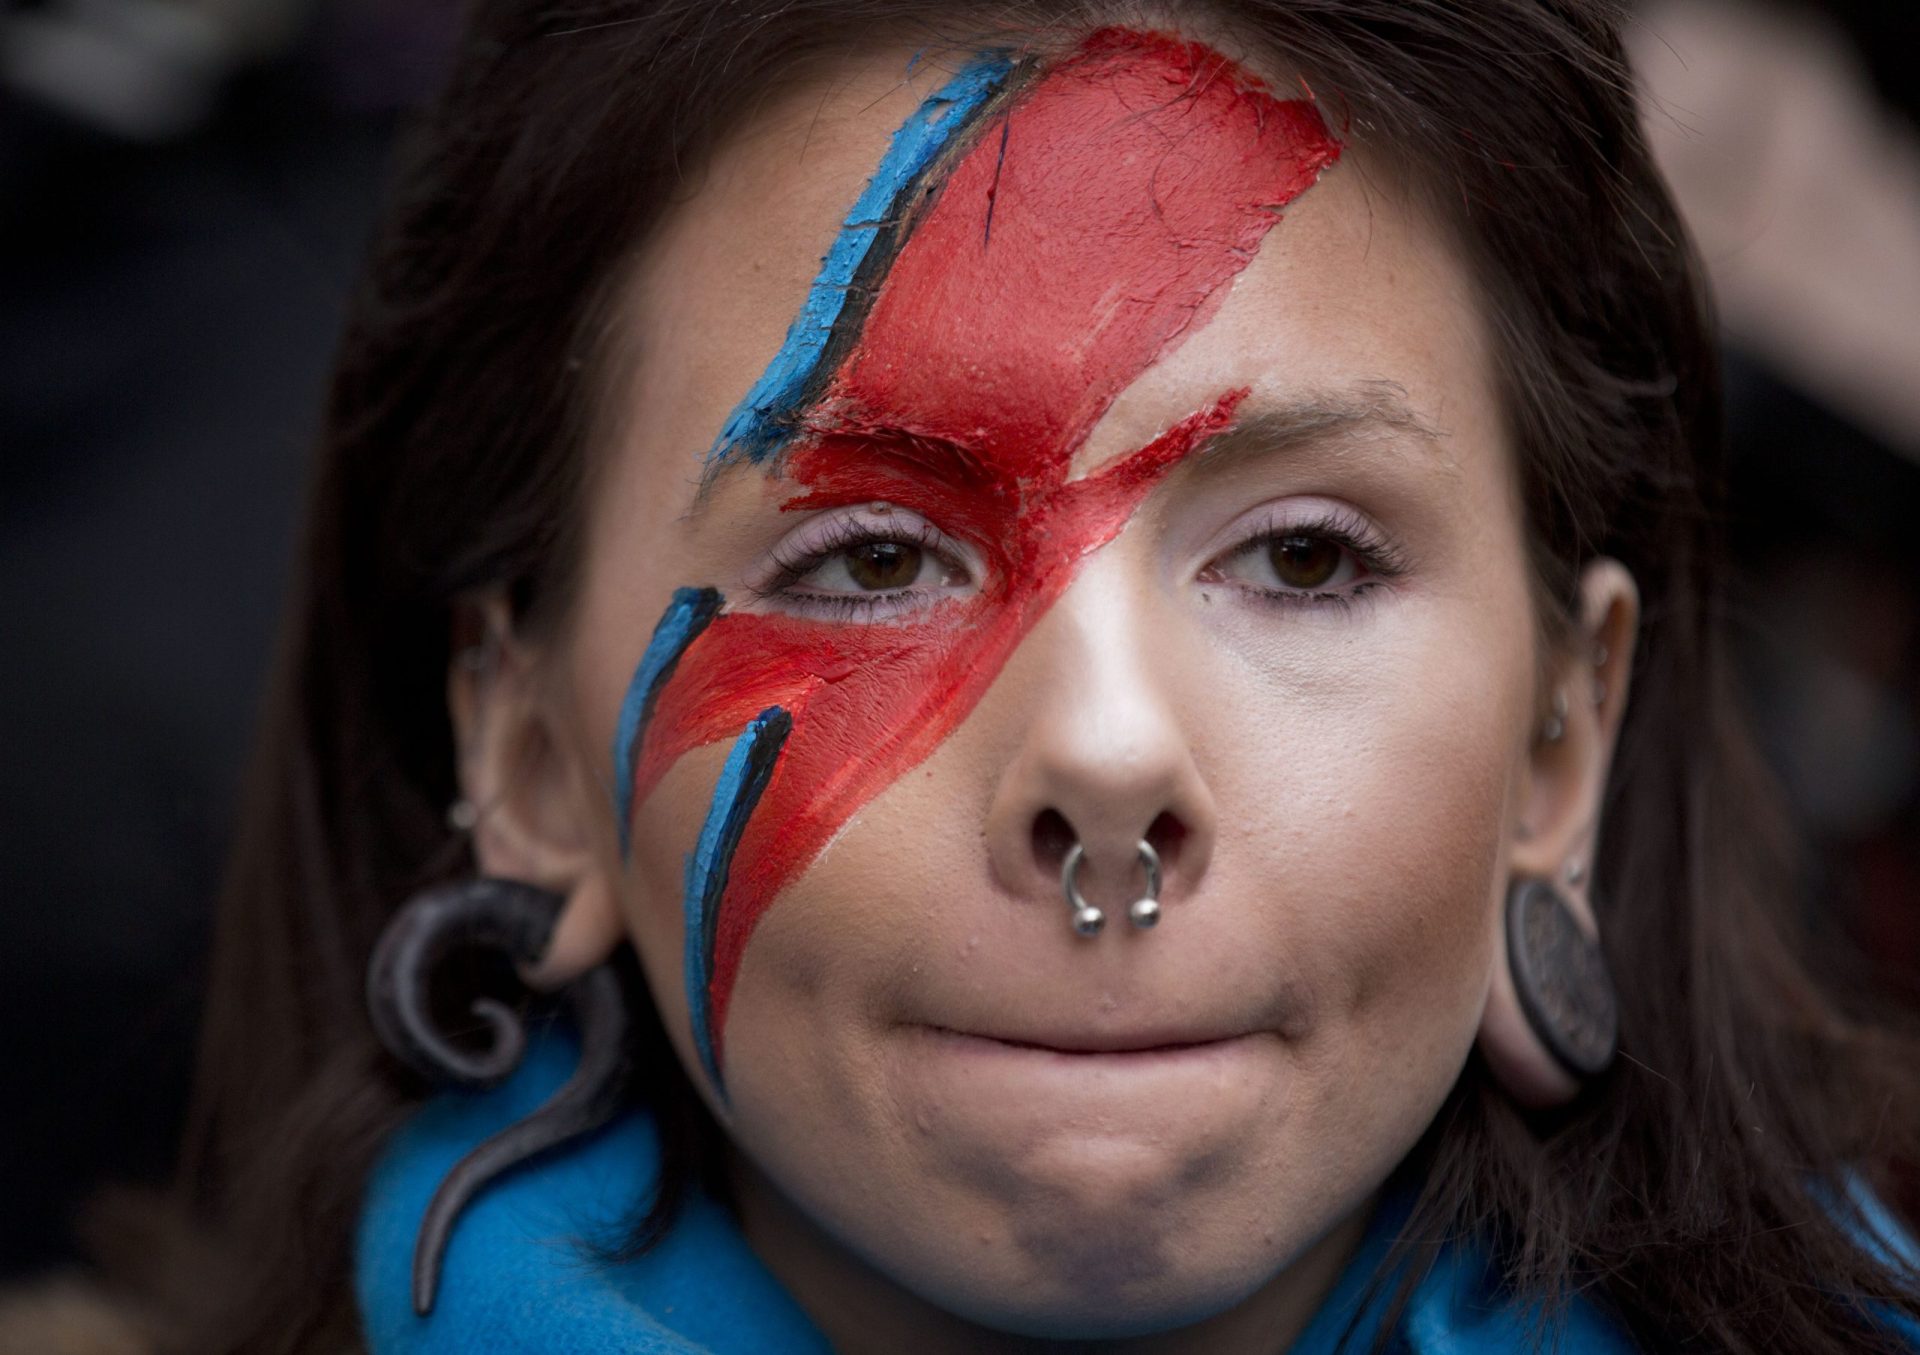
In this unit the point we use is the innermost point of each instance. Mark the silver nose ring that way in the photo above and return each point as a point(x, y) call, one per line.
point(1088, 920)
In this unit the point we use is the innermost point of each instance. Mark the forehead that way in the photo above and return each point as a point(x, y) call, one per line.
point(996, 326)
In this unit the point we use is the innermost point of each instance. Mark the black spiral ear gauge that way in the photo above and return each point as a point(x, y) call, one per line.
point(515, 920)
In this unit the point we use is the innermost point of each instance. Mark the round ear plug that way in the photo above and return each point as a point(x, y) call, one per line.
point(1560, 977)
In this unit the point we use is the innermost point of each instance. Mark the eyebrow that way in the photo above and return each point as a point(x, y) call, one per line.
point(713, 471)
point(1364, 412)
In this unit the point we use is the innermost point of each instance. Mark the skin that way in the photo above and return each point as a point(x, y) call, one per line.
point(953, 1121)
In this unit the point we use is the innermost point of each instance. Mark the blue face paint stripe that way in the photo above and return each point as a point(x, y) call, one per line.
point(748, 768)
point(760, 421)
point(686, 616)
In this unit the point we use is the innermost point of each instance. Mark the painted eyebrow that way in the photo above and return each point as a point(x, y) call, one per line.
point(1370, 410)
point(943, 460)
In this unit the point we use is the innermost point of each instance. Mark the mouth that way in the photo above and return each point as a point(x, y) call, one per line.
point(1092, 1044)
point(1047, 1081)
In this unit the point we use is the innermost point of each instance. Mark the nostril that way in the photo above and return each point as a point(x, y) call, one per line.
point(1052, 837)
point(1166, 834)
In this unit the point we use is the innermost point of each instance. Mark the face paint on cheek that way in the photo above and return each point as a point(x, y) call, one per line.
point(742, 781)
point(1126, 188)
point(690, 612)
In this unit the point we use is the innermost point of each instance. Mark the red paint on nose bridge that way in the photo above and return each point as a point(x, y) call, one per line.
point(1127, 187)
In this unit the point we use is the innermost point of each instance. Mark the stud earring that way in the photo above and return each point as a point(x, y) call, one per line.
point(1555, 728)
point(1576, 871)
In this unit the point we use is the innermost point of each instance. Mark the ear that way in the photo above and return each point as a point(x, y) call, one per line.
point(1558, 825)
point(526, 795)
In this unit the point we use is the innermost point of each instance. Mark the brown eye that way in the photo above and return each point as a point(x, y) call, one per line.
point(1303, 561)
point(880, 566)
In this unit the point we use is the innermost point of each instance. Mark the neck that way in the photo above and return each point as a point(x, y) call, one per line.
point(861, 1310)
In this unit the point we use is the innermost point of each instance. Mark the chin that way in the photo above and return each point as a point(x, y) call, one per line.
point(1102, 1236)
point(1104, 1283)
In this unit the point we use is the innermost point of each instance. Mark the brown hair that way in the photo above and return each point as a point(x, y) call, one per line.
point(1696, 1192)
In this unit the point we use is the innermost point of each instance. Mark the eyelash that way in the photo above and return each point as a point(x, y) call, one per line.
point(847, 534)
point(1382, 561)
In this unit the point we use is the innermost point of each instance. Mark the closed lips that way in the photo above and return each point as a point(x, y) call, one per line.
point(1104, 1042)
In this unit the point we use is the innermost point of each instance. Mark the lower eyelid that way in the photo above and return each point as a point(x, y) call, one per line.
point(1368, 574)
point(861, 606)
point(864, 609)
point(1363, 593)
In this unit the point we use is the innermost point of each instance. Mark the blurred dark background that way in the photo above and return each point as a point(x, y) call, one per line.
point(186, 188)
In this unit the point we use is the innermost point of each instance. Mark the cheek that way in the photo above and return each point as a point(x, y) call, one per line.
point(898, 900)
point(1370, 772)
point(848, 934)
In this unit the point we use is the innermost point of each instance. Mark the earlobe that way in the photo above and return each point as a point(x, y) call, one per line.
point(1552, 1022)
point(585, 936)
point(1517, 1057)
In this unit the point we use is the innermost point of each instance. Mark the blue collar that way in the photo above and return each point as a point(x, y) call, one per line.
point(517, 1282)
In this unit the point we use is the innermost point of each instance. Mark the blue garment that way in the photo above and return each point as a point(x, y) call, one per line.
point(517, 1282)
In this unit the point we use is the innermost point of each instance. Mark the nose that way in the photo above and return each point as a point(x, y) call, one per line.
point(1103, 759)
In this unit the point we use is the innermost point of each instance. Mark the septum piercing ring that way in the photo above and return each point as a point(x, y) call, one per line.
point(1088, 920)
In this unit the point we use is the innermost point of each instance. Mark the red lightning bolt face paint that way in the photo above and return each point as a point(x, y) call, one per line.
point(1094, 223)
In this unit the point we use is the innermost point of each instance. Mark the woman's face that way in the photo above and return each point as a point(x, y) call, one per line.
point(1154, 488)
